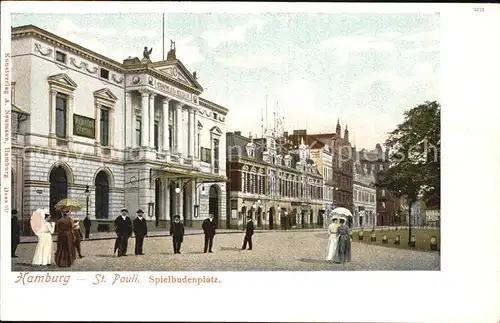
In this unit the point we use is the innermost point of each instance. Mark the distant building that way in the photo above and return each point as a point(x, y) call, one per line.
point(136, 133)
point(364, 194)
point(277, 186)
point(386, 202)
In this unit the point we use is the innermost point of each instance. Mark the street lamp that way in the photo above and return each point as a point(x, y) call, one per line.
point(87, 195)
point(177, 189)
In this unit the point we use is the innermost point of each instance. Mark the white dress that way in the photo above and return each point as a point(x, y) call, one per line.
point(44, 248)
point(332, 241)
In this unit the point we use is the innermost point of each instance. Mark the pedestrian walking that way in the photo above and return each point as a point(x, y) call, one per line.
point(343, 251)
point(123, 229)
point(77, 232)
point(44, 248)
point(87, 224)
point(208, 227)
point(65, 251)
point(248, 234)
point(177, 233)
point(15, 233)
point(140, 231)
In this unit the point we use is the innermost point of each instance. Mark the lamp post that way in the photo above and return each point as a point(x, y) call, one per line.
point(243, 216)
point(259, 206)
point(87, 195)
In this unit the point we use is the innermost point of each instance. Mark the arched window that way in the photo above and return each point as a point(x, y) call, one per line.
point(58, 187)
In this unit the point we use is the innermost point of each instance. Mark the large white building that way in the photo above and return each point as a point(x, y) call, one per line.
point(364, 195)
point(135, 134)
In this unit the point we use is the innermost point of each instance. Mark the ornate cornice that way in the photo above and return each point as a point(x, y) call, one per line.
point(211, 105)
point(145, 69)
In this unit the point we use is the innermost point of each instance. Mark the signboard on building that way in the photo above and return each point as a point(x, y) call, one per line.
point(173, 91)
point(83, 126)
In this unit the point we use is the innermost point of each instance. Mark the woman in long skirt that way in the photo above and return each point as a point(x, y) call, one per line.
point(44, 247)
point(66, 250)
point(343, 252)
point(332, 239)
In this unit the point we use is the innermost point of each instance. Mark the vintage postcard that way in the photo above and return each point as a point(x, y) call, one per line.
point(181, 147)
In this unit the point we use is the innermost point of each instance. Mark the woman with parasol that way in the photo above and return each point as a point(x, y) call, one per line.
point(43, 228)
point(66, 250)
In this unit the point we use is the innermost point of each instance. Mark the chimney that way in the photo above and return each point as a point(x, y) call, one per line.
point(238, 133)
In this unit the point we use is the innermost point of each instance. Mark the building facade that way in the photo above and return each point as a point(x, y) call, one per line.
point(364, 195)
point(135, 134)
point(387, 208)
point(279, 187)
point(321, 153)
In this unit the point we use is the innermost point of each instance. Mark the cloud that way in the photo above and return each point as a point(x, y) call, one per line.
point(251, 61)
point(424, 36)
point(237, 34)
point(424, 49)
point(96, 39)
point(344, 46)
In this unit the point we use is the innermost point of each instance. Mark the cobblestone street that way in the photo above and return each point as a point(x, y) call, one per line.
point(272, 251)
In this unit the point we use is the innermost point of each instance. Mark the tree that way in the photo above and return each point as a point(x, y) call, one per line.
point(415, 155)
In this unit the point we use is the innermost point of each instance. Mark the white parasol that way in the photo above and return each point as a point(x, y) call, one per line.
point(36, 220)
point(341, 211)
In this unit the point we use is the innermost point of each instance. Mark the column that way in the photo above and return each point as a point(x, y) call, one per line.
point(191, 132)
point(129, 127)
point(144, 119)
point(152, 121)
point(52, 115)
point(166, 137)
point(97, 124)
point(70, 116)
point(195, 135)
point(178, 127)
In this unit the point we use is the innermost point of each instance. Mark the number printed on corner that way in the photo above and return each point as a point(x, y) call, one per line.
point(478, 9)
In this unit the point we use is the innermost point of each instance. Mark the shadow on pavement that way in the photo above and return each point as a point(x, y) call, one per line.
point(313, 261)
point(106, 256)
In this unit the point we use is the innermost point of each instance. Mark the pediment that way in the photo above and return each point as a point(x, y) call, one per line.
point(105, 94)
point(216, 130)
point(177, 70)
point(62, 79)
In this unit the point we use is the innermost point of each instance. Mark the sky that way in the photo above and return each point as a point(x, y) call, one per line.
point(363, 69)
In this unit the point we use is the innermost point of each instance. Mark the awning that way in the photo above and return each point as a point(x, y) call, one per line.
point(18, 110)
point(199, 177)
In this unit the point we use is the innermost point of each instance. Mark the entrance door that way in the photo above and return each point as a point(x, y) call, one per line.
point(101, 196)
point(157, 202)
point(58, 188)
point(271, 218)
point(213, 203)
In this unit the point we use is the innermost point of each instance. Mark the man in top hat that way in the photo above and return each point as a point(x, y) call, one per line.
point(15, 234)
point(248, 234)
point(177, 233)
point(208, 227)
point(123, 230)
point(140, 231)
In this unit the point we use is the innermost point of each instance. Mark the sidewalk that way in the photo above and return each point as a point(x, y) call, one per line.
point(189, 231)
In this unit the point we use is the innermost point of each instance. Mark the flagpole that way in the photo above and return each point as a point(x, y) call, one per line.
point(163, 34)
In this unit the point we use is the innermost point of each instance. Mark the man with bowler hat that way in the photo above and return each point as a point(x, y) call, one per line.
point(123, 230)
point(248, 234)
point(140, 231)
point(177, 233)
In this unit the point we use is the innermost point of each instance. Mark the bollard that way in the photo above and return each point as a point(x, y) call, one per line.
point(412, 242)
point(384, 238)
point(397, 239)
point(434, 245)
point(360, 235)
point(373, 237)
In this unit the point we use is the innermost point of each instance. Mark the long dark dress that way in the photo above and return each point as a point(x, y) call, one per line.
point(343, 252)
point(66, 251)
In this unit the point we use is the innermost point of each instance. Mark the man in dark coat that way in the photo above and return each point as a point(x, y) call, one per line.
point(248, 234)
point(15, 235)
point(123, 230)
point(86, 224)
point(177, 233)
point(208, 227)
point(140, 231)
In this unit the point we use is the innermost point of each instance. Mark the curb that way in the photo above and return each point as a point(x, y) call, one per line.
point(193, 233)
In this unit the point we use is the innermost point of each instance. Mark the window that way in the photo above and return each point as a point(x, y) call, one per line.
point(171, 138)
point(156, 135)
point(383, 193)
point(243, 182)
point(138, 126)
point(60, 57)
point(61, 116)
point(216, 156)
point(104, 73)
point(205, 155)
point(104, 123)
